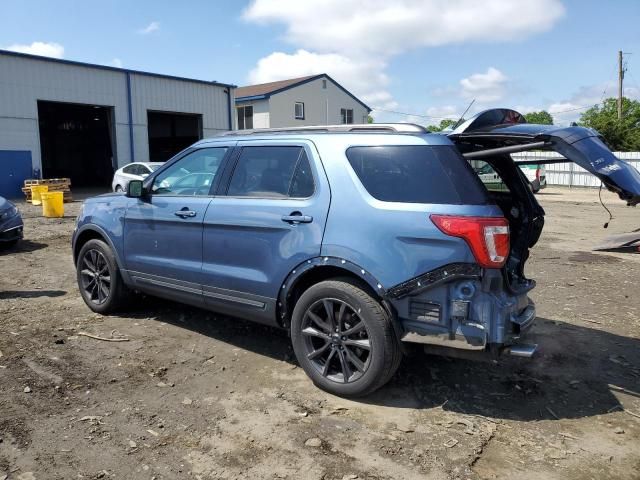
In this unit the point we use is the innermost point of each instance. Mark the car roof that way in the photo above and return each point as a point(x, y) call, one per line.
point(346, 134)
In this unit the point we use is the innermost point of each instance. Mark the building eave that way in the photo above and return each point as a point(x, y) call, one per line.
point(114, 69)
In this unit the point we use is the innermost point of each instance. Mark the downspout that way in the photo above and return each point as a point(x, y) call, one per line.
point(130, 113)
point(230, 118)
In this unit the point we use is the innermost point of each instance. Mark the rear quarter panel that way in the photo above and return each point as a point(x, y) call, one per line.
point(393, 242)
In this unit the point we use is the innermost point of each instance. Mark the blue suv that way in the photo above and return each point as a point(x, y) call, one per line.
point(355, 238)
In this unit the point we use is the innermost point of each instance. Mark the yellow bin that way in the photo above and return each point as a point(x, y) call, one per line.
point(52, 204)
point(36, 191)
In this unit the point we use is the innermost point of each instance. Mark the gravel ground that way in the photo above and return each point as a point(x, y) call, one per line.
point(196, 395)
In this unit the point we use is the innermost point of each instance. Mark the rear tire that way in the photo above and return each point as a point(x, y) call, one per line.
point(99, 278)
point(119, 189)
point(344, 339)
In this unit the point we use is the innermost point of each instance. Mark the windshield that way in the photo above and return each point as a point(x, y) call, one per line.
point(154, 166)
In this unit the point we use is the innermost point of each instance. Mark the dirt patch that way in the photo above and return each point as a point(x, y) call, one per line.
point(193, 394)
point(588, 257)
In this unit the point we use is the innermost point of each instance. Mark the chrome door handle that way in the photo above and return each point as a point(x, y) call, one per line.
point(185, 213)
point(297, 217)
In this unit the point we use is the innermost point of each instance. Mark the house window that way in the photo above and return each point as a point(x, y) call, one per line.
point(245, 117)
point(346, 114)
point(324, 84)
point(299, 111)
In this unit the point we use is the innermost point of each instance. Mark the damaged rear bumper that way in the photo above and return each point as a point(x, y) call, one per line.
point(463, 307)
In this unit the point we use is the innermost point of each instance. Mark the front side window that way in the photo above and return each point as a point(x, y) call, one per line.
point(299, 111)
point(417, 174)
point(346, 115)
point(192, 175)
point(272, 172)
point(245, 117)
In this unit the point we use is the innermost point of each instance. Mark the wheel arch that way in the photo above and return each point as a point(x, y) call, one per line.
point(94, 232)
point(319, 269)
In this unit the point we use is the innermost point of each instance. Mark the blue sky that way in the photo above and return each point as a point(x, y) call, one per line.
point(427, 57)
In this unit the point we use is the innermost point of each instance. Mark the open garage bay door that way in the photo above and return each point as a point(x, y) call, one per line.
point(76, 141)
point(170, 133)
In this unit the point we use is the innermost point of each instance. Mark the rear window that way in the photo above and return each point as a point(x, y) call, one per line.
point(416, 174)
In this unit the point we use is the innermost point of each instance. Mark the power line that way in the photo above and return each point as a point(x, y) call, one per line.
point(412, 114)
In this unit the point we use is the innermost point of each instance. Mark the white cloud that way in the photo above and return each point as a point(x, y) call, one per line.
point(384, 27)
point(353, 40)
point(444, 111)
point(484, 87)
point(152, 27)
point(116, 62)
point(45, 49)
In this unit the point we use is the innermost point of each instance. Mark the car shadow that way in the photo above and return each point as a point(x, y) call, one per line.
point(22, 246)
point(31, 294)
point(576, 372)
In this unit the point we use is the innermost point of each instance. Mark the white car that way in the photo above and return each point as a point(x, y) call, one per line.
point(132, 171)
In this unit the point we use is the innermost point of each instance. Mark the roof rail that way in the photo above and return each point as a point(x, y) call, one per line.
point(364, 127)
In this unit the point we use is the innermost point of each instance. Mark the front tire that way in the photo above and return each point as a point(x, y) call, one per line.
point(99, 278)
point(344, 339)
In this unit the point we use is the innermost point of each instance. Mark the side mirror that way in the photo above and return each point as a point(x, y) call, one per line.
point(134, 189)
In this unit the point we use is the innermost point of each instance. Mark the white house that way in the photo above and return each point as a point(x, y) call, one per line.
point(312, 100)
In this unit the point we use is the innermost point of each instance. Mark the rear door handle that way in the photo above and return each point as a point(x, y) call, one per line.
point(297, 217)
point(185, 213)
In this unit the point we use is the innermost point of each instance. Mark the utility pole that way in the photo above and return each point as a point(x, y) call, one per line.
point(620, 79)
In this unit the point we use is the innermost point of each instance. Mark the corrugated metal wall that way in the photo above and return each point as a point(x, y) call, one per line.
point(569, 174)
point(168, 95)
point(24, 81)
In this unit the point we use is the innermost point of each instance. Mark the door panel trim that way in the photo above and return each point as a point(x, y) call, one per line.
point(246, 299)
point(158, 281)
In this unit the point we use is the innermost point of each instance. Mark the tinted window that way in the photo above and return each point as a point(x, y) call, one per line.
point(193, 174)
point(416, 174)
point(274, 172)
point(487, 175)
point(130, 169)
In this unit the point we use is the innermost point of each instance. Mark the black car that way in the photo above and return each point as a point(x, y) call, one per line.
point(11, 225)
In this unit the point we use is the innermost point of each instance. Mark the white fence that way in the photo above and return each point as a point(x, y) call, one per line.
point(569, 174)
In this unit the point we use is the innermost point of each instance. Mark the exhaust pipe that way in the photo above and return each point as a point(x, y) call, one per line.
point(523, 350)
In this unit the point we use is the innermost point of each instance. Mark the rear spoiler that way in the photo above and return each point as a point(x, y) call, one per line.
point(502, 131)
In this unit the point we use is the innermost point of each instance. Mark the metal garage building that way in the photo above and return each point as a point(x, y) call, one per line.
point(61, 118)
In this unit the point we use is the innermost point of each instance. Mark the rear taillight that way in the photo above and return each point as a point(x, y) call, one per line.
point(538, 173)
point(488, 237)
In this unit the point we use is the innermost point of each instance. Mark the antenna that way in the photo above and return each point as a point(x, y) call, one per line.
point(463, 114)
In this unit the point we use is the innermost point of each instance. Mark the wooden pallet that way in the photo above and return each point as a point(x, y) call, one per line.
point(47, 181)
point(55, 185)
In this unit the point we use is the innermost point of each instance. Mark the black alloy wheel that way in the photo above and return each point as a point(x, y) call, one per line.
point(95, 276)
point(343, 337)
point(99, 279)
point(336, 340)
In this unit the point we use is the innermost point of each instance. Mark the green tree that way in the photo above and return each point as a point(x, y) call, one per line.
point(446, 123)
point(621, 135)
point(542, 117)
point(370, 119)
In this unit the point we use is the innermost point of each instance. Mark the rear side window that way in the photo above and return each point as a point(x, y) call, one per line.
point(416, 174)
point(272, 172)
